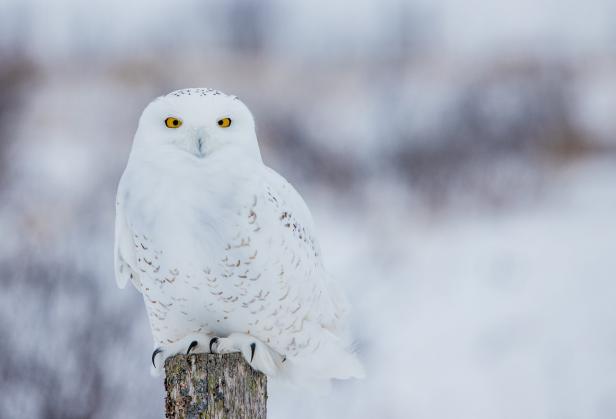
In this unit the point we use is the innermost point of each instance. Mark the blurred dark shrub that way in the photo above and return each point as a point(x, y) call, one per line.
point(15, 72)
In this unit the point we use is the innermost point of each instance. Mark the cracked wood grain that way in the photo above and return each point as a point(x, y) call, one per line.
point(213, 386)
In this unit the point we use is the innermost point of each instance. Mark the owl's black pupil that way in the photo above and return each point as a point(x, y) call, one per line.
point(175, 122)
point(220, 122)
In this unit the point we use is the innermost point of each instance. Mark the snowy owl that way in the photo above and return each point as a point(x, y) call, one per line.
point(222, 248)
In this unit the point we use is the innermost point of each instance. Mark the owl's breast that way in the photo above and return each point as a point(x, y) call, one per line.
point(186, 213)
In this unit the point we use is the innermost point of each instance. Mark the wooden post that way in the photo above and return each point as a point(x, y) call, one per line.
point(213, 386)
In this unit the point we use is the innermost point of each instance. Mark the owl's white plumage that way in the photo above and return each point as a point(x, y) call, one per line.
point(222, 246)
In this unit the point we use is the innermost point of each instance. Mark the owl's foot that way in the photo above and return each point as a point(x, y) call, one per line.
point(198, 343)
point(260, 356)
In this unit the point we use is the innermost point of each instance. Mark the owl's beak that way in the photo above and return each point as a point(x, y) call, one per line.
point(199, 149)
point(196, 143)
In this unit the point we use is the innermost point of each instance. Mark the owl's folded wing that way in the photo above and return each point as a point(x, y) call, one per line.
point(124, 249)
point(330, 307)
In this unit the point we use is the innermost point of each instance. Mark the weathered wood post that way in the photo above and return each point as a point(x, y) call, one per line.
point(213, 386)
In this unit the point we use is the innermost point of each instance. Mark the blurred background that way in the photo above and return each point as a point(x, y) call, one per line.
point(459, 158)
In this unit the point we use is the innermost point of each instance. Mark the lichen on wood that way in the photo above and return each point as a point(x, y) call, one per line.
point(213, 386)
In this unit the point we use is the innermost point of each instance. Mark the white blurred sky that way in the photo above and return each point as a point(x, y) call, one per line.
point(318, 27)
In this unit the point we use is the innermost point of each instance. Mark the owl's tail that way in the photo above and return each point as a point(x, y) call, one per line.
point(331, 361)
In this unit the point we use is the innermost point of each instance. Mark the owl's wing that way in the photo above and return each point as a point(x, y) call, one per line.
point(124, 248)
point(329, 306)
point(309, 324)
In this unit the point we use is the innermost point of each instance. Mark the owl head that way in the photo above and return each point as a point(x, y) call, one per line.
point(195, 124)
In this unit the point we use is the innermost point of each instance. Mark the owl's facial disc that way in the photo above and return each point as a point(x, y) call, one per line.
point(197, 122)
point(200, 141)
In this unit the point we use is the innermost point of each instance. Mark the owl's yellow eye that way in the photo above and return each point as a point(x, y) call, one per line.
point(172, 122)
point(224, 122)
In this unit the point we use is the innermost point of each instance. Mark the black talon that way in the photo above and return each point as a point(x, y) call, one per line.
point(156, 352)
point(252, 350)
point(191, 346)
point(213, 341)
